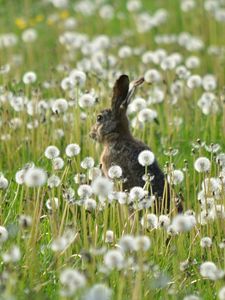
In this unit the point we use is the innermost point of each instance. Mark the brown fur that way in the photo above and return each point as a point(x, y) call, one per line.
point(121, 148)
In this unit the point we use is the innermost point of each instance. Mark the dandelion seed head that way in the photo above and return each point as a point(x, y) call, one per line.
point(146, 158)
point(147, 115)
point(72, 150)
point(102, 186)
point(172, 230)
point(187, 5)
point(127, 243)
point(53, 181)
point(84, 191)
point(208, 103)
point(192, 62)
point(176, 177)
point(102, 41)
point(164, 221)
point(202, 164)
point(16, 123)
point(86, 100)
point(106, 12)
point(148, 57)
point(86, 8)
point(133, 5)
point(206, 216)
point(42, 106)
point(194, 81)
point(152, 76)
point(211, 186)
point(5, 137)
point(60, 106)
point(90, 204)
point(109, 236)
point(183, 223)
point(98, 292)
point(59, 244)
point(168, 63)
point(137, 193)
point(209, 82)
point(71, 280)
point(87, 163)
point(115, 172)
point(114, 259)
point(182, 72)
point(213, 148)
point(145, 203)
point(209, 270)
point(52, 152)
point(35, 177)
point(67, 84)
point(219, 211)
point(13, 255)
point(142, 243)
point(149, 221)
point(136, 105)
point(29, 77)
point(29, 35)
point(206, 202)
point(184, 265)
point(3, 234)
point(4, 69)
point(52, 204)
point(124, 52)
point(60, 3)
point(160, 54)
point(222, 244)
point(122, 197)
point(221, 294)
point(57, 163)
point(177, 88)
point(206, 242)
point(58, 133)
point(210, 5)
point(3, 182)
point(156, 96)
point(94, 173)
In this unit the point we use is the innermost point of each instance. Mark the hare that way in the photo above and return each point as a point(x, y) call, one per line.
point(121, 148)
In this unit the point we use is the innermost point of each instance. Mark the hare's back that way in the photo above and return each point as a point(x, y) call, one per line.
point(126, 155)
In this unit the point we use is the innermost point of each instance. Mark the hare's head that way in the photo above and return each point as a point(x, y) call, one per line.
point(113, 123)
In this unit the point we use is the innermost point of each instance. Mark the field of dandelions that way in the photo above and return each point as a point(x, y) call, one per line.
point(68, 232)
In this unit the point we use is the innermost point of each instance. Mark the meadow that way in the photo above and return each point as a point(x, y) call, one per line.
point(68, 232)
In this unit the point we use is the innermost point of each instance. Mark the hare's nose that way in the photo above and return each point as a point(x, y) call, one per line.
point(92, 135)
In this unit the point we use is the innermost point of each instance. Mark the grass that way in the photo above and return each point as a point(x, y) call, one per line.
point(151, 274)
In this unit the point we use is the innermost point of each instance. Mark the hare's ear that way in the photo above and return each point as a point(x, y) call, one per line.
point(120, 91)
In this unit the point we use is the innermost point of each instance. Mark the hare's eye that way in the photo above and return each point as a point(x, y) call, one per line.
point(99, 118)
